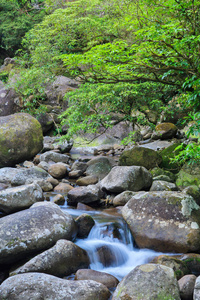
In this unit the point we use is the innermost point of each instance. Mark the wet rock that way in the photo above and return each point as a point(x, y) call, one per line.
point(84, 181)
point(61, 260)
point(43, 286)
point(82, 206)
point(162, 220)
point(150, 282)
point(180, 267)
point(186, 287)
point(59, 199)
point(63, 188)
point(84, 194)
point(29, 175)
point(140, 156)
point(54, 156)
point(20, 138)
point(100, 166)
point(84, 224)
point(160, 185)
point(32, 230)
point(166, 130)
point(17, 198)
point(86, 274)
point(58, 170)
point(133, 178)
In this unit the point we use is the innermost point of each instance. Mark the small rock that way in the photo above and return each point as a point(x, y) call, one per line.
point(186, 287)
point(84, 181)
point(84, 224)
point(57, 170)
point(59, 199)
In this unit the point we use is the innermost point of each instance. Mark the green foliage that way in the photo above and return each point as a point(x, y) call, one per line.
point(16, 18)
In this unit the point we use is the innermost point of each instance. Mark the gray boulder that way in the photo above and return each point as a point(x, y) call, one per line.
point(61, 260)
point(54, 156)
point(162, 221)
point(29, 176)
point(148, 282)
point(21, 138)
point(39, 286)
point(32, 230)
point(133, 178)
point(17, 198)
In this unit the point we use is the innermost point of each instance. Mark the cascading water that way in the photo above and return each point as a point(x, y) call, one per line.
point(110, 245)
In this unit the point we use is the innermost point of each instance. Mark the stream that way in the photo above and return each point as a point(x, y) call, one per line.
point(110, 245)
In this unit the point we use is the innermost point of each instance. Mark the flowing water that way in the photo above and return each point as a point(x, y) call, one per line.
point(110, 245)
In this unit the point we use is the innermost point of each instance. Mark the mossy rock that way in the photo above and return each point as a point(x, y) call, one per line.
point(21, 138)
point(166, 155)
point(140, 156)
point(166, 130)
point(161, 172)
point(189, 175)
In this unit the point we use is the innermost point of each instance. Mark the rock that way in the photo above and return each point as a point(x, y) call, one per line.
point(120, 179)
point(156, 172)
point(192, 260)
point(46, 121)
point(58, 170)
point(162, 178)
point(196, 295)
point(61, 260)
point(17, 198)
point(29, 175)
point(167, 154)
point(75, 174)
point(166, 130)
point(28, 164)
point(32, 230)
point(59, 199)
point(81, 206)
point(39, 286)
point(149, 281)
point(100, 166)
point(186, 287)
point(10, 102)
point(193, 191)
point(123, 198)
point(84, 224)
point(44, 165)
point(45, 185)
point(88, 194)
point(180, 267)
point(54, 156)
point(63, 188)
point(160, 185)
point(140, 156)
point(161, 221)
point(79, 166)
point(6, 174)
point(189, 175)
point(108, 280)
point(66, 146)
point(53, 181)
point(87, 180)
point(108, 256)
point(20, 138)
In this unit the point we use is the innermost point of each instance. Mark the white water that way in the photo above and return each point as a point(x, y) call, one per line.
point(124, 256)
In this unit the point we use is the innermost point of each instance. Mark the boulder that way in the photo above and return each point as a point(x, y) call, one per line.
point(58, 170)
point(140, 156)
point(189, 175)
point(124, 197)
point(7, 173)
point(108, 280)
point(63, 188)
point(10, 102)
point(32, 230)
point(100, 166)
point(164, 221)
point(54, 156)
point(87, 180)
point(192, 261)
point(149, 281)
point(186, 286)
point(161, 185)
point(84, 194)
point(84, 224)
point(18, 198)
point(61, 260)
point(193, 191)
point(166, 130)
point(39, 286)
point(120, 179)
point(29, 175)
point(21, 138)
point(157, 174)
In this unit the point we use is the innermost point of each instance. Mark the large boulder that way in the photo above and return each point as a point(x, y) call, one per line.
point(61, 260)
point(17, 198)
point(39, 286)
point(140, 156)
point(21, 138)
point(164, 221)
point(148, 282)
point(32, 230)
point(133, 178)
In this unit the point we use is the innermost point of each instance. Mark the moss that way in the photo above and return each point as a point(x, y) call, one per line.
point(166, 155)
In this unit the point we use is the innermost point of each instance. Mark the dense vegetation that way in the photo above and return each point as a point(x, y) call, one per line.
point(130, 56)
